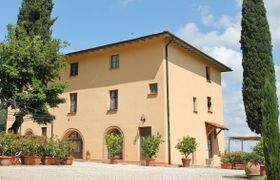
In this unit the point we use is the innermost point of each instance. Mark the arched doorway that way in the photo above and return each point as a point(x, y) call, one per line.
point(29, 132)
point(107, 154)
point(75, 137)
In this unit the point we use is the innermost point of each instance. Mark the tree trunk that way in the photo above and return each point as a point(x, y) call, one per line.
point(16, 125)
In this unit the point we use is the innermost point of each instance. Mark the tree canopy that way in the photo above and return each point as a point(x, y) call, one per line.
point(259, 89)
point(31, 63)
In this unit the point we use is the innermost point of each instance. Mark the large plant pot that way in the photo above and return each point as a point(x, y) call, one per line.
point(67, 161)
point(46, 160)
point(113, 160)
point(262, 170)
point(15, 160)
point(186, 162)
point(148, 161)
point(252, 168)
point(226, 166)
point(31, 160)
point(240, 166)
point(6, 160)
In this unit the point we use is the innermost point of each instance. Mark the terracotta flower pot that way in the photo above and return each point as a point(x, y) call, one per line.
point(262, 170)
point(186, 162)
point(67, 161)
point(252, 168)
point(6, 160)
point(31, 160)
point(15, 160)
point(46, 160)
point(113, 160)
point(148, 161)
point(226, 166)
point(240, 166)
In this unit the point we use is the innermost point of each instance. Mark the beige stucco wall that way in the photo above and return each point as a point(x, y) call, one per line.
point(187, 80)
point(141, 63)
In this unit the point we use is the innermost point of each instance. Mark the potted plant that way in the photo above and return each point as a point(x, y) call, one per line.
point(31, 150)
point(150, 147)
point(226, 161)
point(16, 150)
point(186, 146)
point(51, 152)
point(67, 148)
point(252, 167)
point(114, 144)
point(238, 160)
point(87, 155)
point(6, 157)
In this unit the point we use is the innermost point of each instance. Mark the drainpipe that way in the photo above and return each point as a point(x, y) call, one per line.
point(167, 100)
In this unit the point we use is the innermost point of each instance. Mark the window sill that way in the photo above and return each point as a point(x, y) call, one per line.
point(73, 76)
point(195, 112)
point(71, 114)
point(112, 110)
point(210, 112)
point(152, 94)
point(114, 68)
point(209, 81)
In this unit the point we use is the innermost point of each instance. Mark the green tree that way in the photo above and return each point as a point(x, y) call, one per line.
point(3, 117)
point(259, 90)
point(31, 63)
point(35, 16)
point(114, 143)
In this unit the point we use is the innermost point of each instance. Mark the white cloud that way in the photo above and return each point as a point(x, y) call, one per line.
point(229, 37)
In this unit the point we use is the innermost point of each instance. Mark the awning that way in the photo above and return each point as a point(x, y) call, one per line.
point(211, 127)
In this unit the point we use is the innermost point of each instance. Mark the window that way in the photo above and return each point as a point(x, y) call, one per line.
point(115, 61)
point(194, 105)
point(74, 69)
point(209, 104)
point(73, 102)
point(153, 88)
point(208, 75)
point(114, 100)
point(44, 131)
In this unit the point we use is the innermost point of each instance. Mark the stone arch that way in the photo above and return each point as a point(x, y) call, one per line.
point(28, 132)
point(113, 129)
point(75, 136)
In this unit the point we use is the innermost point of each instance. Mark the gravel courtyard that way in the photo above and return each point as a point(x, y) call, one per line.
point(100, 171)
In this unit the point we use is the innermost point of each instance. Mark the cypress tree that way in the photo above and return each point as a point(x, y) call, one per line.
point(259, 90)
point(35, 17)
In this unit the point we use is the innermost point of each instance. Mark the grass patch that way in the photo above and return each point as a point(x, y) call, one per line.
point(244, 177)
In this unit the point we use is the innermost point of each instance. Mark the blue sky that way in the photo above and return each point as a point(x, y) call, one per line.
point(212, 26)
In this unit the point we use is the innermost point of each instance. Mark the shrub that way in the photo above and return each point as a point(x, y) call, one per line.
point(32, 145)
point(253, 156)
point(6, 144)
point(151, 144)
point(114, 143)
point(226, 158)
point(237, 157)
point(51, 148)
point(187, 145)
point(66, 147)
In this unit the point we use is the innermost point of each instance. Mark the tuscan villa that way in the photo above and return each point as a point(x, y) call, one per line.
point(152, 84)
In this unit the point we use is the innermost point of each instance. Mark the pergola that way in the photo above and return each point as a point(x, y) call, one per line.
point(242, 139)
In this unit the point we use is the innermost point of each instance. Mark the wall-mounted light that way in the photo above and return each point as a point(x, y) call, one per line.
point(143, 119)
